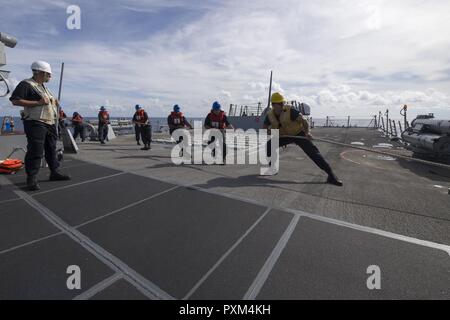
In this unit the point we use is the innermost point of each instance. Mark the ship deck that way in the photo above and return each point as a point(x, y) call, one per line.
point(140, 227)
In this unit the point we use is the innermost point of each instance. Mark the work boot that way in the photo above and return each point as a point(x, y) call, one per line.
point(58, 176)
point(332, 179)
point(138, 143)
point(32, 184)
point(146, 147)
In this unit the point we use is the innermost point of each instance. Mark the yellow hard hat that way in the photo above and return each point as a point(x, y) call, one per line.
point(277, 98)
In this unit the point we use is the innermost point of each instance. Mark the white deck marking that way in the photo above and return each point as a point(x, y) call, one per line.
point(383, 233)
point(23, 174)
point(266, 269)
point(30, 242)
point(79, 183)
point(387, 234)
point(226, 254)
point(98, 287)
point(10, 200)
point(4, 182)
point(153, 291)
point(127, 207)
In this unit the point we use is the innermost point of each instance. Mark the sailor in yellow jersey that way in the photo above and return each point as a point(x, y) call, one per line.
point(290, 122)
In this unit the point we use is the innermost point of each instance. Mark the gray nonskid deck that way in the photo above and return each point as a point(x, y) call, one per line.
point(136, 237)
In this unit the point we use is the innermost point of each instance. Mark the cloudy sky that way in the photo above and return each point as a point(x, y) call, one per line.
point(344, 57)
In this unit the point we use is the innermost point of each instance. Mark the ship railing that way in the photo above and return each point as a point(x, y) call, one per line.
point(257, 109)
point(348, 122)
point(246, 110)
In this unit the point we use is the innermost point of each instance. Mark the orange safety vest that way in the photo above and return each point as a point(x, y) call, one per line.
point(217, 121)
point(177, 118)
point(104, 115)
point(140, 116)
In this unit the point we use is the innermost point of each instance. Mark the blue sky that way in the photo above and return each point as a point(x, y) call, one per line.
point(344, 57)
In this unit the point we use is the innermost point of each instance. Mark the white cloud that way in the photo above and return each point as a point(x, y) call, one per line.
point(352, 56)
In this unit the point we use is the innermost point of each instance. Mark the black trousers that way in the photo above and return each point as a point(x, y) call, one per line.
point(137, 132)
point(102, 132)
point(78, 129)
point(146, 134)
point(41, 139)
point(308, 147)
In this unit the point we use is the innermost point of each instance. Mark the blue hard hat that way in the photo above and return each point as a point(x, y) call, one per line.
point(102, 108)
point(216, 106)
point(176, 108)
point(137, 107)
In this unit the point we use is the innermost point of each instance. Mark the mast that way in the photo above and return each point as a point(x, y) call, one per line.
point(270, 89)
point(59, 99)
point(60, 81)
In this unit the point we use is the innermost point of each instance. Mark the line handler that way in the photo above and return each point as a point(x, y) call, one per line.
point(39, 120)
point(290, 122)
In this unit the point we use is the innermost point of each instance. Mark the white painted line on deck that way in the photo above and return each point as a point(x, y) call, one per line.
point(4, 182)
point(226, 254)
point(127, 207)
point(387, 234)
point(99, 287)
point(263, 274)
point(300, 213)
point(30, 243)
point(153, 291)
point(23, 174)
point(9, 200)
point(79, 184)
point(423, 243)
point(318, 217)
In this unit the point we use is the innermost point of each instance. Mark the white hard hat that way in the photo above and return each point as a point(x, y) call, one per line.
point(41, 66)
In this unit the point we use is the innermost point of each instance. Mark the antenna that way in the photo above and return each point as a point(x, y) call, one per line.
point(59, 99)
point(60, 81)
point(270, 89)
